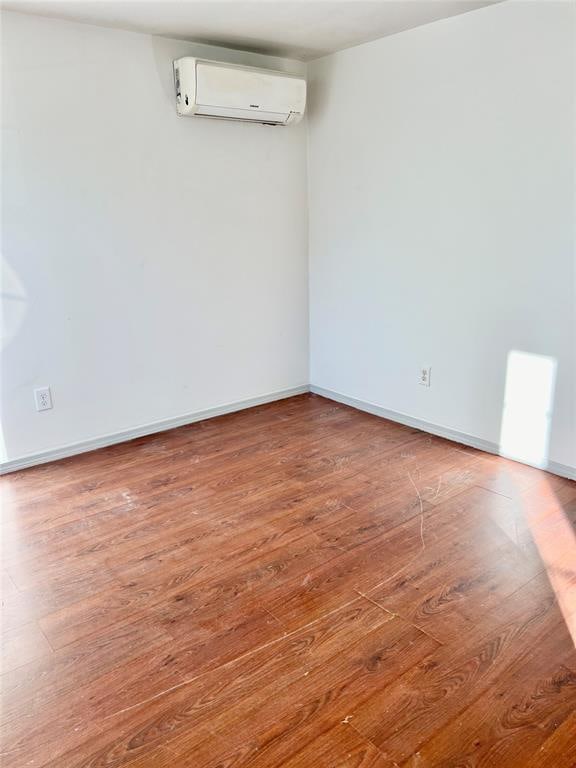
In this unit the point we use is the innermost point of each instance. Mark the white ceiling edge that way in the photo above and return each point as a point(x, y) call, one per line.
point(296, 29)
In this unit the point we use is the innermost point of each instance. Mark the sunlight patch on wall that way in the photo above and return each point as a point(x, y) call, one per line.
point(527, 409)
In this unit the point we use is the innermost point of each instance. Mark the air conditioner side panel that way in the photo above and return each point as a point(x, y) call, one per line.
point(185, 85)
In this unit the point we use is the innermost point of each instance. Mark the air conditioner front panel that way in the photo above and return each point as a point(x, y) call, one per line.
point(224, 88)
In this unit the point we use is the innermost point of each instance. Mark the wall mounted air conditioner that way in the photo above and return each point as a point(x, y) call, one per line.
point(231, 92)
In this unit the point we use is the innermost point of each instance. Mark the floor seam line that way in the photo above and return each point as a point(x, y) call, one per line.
point(392, 614)
point(366, 738)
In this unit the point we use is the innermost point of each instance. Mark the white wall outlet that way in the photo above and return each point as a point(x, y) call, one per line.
point(424, 378)
point(43, 398)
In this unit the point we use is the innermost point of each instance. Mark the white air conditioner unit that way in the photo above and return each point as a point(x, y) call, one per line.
point(231, 92)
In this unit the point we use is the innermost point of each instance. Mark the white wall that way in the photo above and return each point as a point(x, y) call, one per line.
point(441, 177)
point(154, 265)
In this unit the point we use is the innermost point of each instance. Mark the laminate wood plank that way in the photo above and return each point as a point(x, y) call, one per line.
point(249, 527)
point(325, 697)
point(75, 717)
point(185, 592)
point(322, 588)
point(20, 645)
point(206, 751)
point(388, 566)
point(352, 652)
point(84, 730)
point(340, 747)
point(163, 758)
point(115, 527)
point(509, 478)
point(461, 577)
point(508, 723)
point(134, 551)
point(433, 694)
point(559, 749)
point(28, 690)
point(549, 512)
point(430, 463)
point(174, 719)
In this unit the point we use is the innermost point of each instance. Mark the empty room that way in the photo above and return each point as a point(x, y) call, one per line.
point(288, 384)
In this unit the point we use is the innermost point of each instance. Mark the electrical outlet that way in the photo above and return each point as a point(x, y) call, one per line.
point(43, 398)
point(424, 378)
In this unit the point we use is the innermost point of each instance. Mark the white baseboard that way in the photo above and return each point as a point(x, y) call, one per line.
point(103, 441)
point(435, 429)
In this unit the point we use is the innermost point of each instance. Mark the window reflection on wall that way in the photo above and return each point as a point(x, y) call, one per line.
point(527, 408)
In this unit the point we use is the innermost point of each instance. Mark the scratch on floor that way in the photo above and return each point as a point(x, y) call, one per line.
point(438, 488)
point(423, 542)
point(421, 510)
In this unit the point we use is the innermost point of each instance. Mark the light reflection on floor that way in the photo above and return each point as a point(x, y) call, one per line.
point(524, 437)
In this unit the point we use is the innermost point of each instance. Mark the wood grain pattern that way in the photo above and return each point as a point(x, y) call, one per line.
point(296, 585)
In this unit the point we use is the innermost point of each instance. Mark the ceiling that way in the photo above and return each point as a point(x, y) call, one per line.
point(299, 29)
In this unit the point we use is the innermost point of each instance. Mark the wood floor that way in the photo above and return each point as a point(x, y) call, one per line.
point(298, 585)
